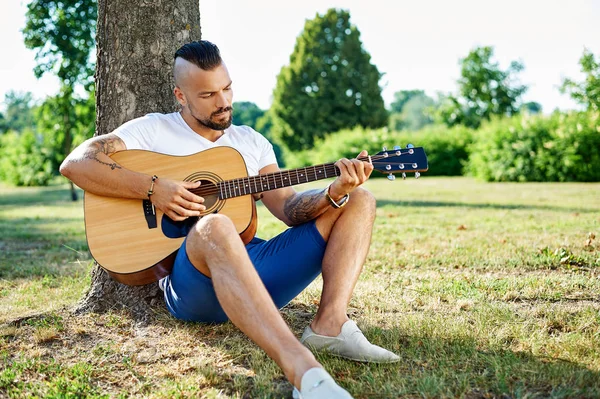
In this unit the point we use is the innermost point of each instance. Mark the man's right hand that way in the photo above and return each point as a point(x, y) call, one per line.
point(175, 200)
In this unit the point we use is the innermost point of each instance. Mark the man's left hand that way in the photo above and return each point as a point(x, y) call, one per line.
point(353, 174)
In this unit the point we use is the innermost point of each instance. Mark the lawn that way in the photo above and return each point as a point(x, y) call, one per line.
point(484, 290)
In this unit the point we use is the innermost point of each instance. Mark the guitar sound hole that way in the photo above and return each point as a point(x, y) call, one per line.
point(210, 192)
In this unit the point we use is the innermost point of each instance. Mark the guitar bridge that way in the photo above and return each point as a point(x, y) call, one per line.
point(149, 214)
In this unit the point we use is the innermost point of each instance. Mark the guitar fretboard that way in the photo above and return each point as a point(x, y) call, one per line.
point(272, 181)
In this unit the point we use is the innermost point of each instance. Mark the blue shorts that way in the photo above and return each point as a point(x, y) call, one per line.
point(286, 264)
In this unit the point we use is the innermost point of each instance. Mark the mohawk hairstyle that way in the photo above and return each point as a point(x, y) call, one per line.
point(204, 54)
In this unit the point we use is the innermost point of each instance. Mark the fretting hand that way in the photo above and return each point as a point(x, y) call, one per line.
point(175, 199)
point(353, 173)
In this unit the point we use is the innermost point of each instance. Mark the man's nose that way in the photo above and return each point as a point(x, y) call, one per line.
point(222, 100)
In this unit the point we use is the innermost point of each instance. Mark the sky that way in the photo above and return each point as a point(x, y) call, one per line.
point(415, 44)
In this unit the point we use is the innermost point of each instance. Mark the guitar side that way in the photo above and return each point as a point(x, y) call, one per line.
point(118, 235)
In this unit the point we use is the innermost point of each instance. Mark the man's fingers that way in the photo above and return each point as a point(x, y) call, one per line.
point(359, 166)
point(191, 197)
point(183, 212)
point(174, 216)
point(193, 206)
point(187, 194)
point(189, 205)
point(366, 164)
point(191, 184)
point(350, 169)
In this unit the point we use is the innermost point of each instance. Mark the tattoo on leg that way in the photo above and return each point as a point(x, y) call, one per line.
point(304, 206)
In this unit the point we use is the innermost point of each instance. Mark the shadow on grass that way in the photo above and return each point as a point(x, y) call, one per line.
point(41, 244)
point(430, 367)
point(437, 367)
point(442, 204)
point(37, 195)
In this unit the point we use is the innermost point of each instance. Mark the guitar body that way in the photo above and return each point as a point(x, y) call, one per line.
point(137, 244)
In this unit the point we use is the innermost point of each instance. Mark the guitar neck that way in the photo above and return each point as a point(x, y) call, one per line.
point(271, 181)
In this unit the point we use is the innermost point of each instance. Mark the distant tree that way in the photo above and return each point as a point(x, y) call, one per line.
point(411, 110)
point(402, 97)
point(264, 125)
point(62, 33)
point(18, 112)
point(330, 83)
point(587, 92)
point(31, 155)
point(50, 115)
point(484, 90)
point(24, 161)
point(531, 107)
point(246, 113)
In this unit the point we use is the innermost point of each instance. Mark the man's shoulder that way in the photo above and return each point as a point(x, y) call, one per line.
point(147, 123)
point(246, 132)
point(155, 117)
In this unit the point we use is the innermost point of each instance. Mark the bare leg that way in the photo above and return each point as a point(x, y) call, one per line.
point(243, 296)
point(348, 235)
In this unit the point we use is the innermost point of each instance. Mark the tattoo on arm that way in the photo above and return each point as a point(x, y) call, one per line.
point(104, 146)
point(304, 206)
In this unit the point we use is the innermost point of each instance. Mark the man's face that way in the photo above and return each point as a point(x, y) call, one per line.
point(205, 95)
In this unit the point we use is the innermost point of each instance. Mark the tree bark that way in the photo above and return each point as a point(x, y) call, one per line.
point(136, 41)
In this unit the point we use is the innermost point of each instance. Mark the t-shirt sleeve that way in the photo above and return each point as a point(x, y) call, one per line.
point(138, 134)
point(267, 154)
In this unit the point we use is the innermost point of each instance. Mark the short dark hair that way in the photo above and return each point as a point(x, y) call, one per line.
point(204, 54)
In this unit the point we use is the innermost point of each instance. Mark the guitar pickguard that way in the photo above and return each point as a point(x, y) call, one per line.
point(173, 229)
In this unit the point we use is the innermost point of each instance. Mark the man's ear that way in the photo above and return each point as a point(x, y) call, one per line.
point(179, 96)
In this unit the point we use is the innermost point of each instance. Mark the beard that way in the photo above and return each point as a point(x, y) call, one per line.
point(215, 125)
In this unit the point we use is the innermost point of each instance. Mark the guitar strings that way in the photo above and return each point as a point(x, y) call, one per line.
point(275, 178)
point(260, 183)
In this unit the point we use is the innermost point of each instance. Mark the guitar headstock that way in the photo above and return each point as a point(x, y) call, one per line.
point(400, 160)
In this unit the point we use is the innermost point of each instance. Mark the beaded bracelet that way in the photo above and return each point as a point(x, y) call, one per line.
point(151, 191)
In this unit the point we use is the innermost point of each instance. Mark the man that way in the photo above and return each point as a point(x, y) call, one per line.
point(215, 277)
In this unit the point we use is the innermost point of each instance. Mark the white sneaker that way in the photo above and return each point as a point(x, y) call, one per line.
point(317, 384)
point(350, 344)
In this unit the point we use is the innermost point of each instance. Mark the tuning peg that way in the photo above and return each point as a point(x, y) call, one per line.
point(391, 177)
point(410, 146)
point(388, 167)
point(403, 175)
point(417, 175)
point(396, 147)
point(384, 148)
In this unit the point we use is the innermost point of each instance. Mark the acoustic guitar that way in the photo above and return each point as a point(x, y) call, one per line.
point(137, 244)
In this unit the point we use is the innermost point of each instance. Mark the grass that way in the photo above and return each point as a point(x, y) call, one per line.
point(484, 290)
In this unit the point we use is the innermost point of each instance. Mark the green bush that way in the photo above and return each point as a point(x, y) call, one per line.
point(23, 160)
point(446, 148)
point(560, 147)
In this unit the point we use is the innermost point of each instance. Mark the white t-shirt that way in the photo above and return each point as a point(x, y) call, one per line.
point(170, 134)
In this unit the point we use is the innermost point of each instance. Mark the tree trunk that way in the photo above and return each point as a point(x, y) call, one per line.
point(136, 41)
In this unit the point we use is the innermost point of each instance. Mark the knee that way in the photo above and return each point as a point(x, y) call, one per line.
point(213, 229)
point(364, 200)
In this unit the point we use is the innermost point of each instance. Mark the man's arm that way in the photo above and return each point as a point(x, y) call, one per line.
point(296, 208)
point(90, 167)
